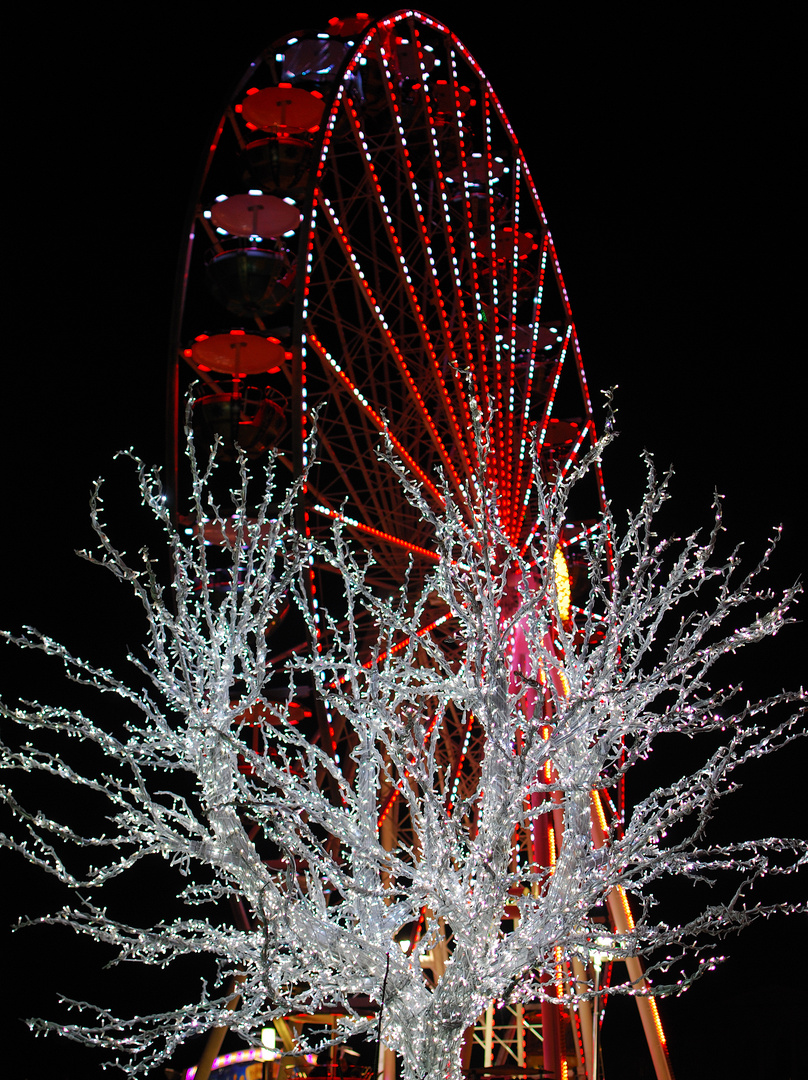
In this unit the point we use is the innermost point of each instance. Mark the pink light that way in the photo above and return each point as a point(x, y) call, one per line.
point(237, 1057)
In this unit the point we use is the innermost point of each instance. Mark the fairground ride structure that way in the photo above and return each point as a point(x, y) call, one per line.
point(365, 240)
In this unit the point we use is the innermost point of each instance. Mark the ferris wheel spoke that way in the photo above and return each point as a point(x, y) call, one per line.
point(365, 498)
point(525, 465)
point(375, 307)
point(374, 503)
point(478, 199)
point(428, 259)
point(572, 456)
point(393, 184)
point(447, 264)
point(375, 418)
point(478, 316)
point(544, 423)
point(379, 534)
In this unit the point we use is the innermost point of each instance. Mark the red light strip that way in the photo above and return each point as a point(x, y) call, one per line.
point(378, 420)
point(543, 430)
point(523, 487)
point(371, 531)
point(399, 645)
point(499, 419)
point(391, 799)
point(394, 794)
point(455, 782)
point(479, 321)
point(459, 382)
point(572, 456)
point(381, 322)
point(561, 285)
point(399, 253)
point(429, 256)
point(578, 537)
point(514, 469)
point(304, 420)
point(548, 409)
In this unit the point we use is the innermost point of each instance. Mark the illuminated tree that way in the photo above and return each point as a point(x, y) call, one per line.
point(294, 834)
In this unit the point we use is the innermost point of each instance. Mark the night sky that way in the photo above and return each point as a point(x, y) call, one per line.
point(663, 150)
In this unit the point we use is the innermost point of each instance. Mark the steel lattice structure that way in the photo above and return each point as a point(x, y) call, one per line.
point(366, 242)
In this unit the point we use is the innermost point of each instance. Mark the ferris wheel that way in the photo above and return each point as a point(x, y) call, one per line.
point(366, 243)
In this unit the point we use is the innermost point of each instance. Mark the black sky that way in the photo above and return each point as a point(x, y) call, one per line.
point(663, 145)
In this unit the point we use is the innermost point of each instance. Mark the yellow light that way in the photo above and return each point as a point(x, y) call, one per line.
point(559, 970)
point(657, 1020)
point(599, 811)
point(562, 584)
point(621, 892)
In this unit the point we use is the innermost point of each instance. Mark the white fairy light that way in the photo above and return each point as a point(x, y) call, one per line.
point(332, 911)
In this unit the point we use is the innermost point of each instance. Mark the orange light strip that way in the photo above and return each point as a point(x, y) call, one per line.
point(621, 892)
point(599, 811)
point(657, 1022)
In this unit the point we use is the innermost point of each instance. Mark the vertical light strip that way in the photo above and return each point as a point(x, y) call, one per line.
point(479, 322)
point(435, 285)
point(459, 766)
point(548, 409)
point(512, 466)
point(446, 217)
point(494, 337)
point(525, 487)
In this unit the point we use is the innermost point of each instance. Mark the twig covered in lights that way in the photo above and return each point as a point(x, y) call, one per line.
point(565, 707)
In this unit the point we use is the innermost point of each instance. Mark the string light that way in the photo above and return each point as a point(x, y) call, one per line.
point(554, 720)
